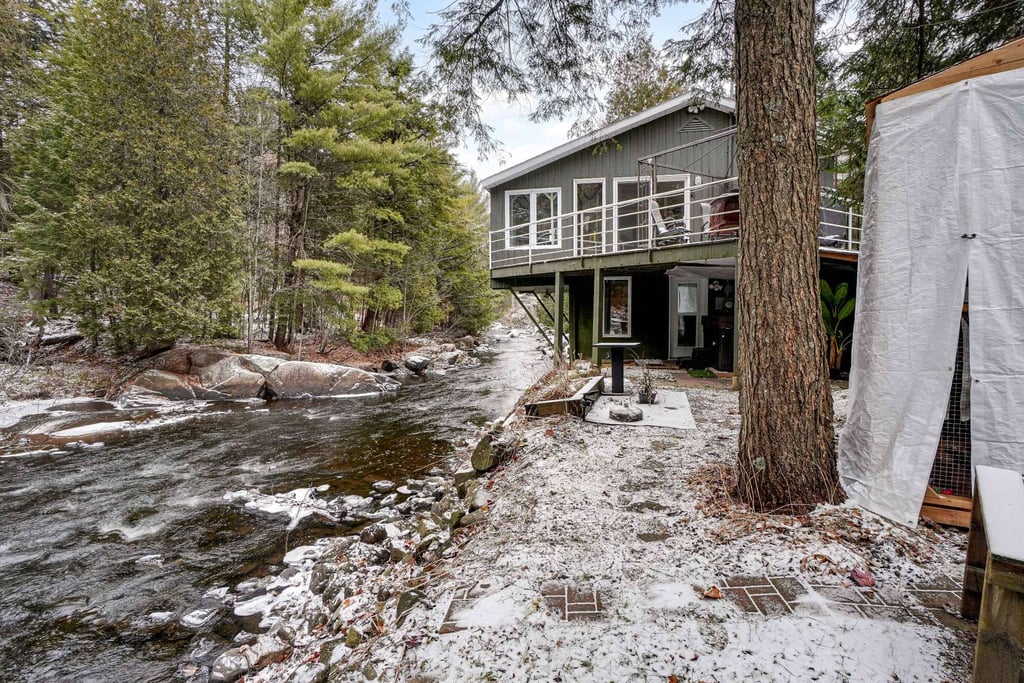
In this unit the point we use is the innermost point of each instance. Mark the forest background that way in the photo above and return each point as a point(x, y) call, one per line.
point(265, 169)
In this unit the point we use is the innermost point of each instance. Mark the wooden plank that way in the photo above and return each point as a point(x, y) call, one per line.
point(947, 516)
point(977, 558)
point(1004, 58)
point(932, 497)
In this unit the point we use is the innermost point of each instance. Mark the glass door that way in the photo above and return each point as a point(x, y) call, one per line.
point(689, 304)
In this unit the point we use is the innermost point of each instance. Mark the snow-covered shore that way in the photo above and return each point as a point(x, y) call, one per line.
point(642, 516)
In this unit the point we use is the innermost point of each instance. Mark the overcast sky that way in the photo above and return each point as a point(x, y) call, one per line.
point(520, 139)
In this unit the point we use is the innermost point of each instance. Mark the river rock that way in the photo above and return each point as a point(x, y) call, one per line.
point(406, 601)
point(484, 457)
point(230, 666)
point(416, 363)
point(269, 649)
point(464, 474)
point(625, 413)
point(373, 534)
point(472, 518)
point(383, 486)
point(231, 377)
point(309, 673)
point(164, 384)
point(466, 343)
point(297, 379)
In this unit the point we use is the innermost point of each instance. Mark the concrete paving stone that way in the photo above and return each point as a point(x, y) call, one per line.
point(790, 588)
point(574, 602)
point(809, 609)
point(481, 589)
point(941, 583)
point(771, 605)
point(739, 597)
point(839, 594)
point(952, 621)
point(745, 581)
point(762, 590)
point(845, 609)
point(935, 598)
point(451, 617)
point(923, 616)
point(884, 595)
point(883, 612)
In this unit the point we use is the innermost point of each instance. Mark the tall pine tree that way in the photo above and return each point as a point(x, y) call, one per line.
point(126, 193)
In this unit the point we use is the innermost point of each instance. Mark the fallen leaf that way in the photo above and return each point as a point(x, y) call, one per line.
point(862, 577)
point(712, 593)
point(549, 432)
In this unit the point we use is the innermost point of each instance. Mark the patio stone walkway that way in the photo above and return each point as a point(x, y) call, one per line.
point(934, 603)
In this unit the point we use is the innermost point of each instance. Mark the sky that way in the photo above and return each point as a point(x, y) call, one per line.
point(520, 138)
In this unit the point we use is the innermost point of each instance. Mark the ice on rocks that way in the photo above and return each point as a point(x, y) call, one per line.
point(198, 618)
point(296, 504)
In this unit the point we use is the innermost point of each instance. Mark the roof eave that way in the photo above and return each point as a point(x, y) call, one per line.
point(571, 147)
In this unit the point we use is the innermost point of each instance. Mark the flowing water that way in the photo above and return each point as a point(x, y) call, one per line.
point(76, 602)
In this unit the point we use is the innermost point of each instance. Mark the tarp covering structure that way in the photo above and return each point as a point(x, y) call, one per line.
point(944, 202)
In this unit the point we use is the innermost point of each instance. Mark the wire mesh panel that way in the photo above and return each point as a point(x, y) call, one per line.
point(951, 471)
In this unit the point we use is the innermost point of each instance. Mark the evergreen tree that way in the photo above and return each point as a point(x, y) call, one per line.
point(126, 190)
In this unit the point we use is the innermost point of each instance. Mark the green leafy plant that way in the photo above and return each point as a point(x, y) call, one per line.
point(836, 306)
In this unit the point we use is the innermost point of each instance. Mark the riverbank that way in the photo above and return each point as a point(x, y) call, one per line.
point(616, 553)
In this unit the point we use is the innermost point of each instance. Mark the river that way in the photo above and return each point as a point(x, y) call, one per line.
point(76, 602)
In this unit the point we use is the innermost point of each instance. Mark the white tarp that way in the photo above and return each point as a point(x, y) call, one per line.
point(942, 165)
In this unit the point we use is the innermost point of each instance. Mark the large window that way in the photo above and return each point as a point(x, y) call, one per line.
point(618, 297)
point(530, 218)
point(589, 212)
point(631, 216)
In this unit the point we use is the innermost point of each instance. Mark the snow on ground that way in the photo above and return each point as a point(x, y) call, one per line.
point(643, 516)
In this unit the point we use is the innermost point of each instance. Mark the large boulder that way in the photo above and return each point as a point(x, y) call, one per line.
point(165, 384)
point(232, 377)
point(297, 379)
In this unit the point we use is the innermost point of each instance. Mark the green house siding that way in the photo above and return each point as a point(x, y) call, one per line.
point(617, 158)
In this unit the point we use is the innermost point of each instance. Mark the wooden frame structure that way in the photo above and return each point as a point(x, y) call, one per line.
point(1004, 58)
point(948, 509)
point(994, 576)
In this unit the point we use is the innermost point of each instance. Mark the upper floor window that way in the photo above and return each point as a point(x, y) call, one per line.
point(530, 218)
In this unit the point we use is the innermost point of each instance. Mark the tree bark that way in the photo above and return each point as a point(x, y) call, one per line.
point(786, 447)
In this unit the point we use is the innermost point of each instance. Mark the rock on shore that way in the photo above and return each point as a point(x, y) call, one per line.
point(212, 375)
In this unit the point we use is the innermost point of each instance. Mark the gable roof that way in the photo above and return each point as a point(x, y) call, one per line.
point(687, 99)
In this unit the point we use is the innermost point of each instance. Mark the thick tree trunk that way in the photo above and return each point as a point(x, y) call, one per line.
point(786, 448)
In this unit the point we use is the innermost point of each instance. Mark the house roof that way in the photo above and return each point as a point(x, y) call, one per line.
point(1003, 58)
point(600, 135)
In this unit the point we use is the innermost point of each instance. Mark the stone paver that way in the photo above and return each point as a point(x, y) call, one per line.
point(575, 602)
point(933, 603)
point(463, 601)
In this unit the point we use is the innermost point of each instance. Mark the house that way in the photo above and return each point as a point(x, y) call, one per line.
point(637, 224)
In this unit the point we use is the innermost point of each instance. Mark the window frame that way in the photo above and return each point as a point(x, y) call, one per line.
point(606, 307)
point(577, 218)
point(532, 241)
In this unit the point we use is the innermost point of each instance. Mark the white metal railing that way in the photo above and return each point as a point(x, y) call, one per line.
point(707, 212)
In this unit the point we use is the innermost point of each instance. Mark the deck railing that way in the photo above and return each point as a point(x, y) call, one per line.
point(707, 212)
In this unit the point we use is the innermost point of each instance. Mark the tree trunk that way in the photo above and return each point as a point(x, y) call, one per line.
point(786, 447)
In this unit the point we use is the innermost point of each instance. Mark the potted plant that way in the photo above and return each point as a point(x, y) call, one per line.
point(836, 306)
point(645, 389)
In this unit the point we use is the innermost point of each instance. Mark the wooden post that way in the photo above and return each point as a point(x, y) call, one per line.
point(595, 319)
point(998, 654)
point(559, 324)
point(974, 566)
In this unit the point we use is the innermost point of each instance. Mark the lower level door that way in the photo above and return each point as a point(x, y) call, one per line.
point(688, 299)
